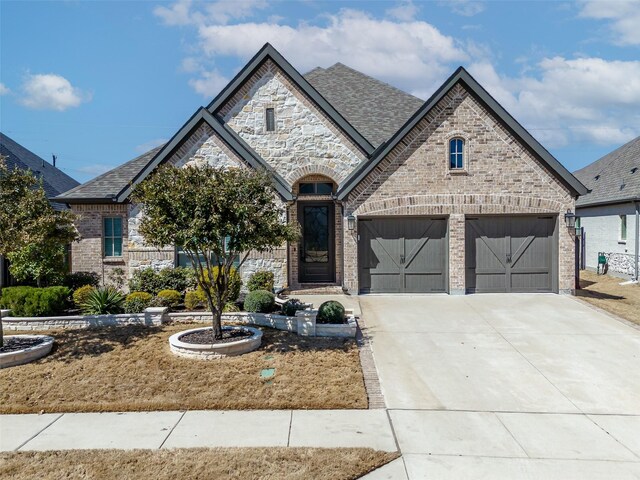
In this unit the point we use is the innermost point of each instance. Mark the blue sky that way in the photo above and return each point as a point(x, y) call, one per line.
point(100, 82)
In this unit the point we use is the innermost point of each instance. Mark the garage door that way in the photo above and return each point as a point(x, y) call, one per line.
point(402, 255)
point(510, 254)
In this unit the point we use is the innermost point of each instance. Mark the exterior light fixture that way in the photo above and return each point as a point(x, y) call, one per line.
point(351, 223)
point(570, 219)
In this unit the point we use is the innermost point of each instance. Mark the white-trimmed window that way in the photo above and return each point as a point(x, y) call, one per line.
point(456, 153)
point(623, 228)
point(112, 236)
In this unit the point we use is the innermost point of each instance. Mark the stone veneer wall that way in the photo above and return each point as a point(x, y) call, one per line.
point(304, 142)
point(501, 177)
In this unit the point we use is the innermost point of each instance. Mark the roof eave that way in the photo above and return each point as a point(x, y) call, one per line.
point(610, 202)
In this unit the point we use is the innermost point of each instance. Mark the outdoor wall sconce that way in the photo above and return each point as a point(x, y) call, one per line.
point(351, 223)
point(570, 219)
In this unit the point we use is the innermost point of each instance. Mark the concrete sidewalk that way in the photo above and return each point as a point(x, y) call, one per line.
point(153, 430)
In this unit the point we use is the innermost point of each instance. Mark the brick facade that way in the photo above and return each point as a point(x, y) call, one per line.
point(501, 177)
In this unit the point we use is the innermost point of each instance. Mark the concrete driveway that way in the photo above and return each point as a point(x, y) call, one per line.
point(507, 386)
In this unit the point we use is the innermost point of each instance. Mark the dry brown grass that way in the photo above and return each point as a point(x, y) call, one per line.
point(194, 464)
point(132, 369)
point(606, 292)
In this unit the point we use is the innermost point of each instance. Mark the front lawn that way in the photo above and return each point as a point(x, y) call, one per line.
point(606, 292)
point(132, 369)
point(195, 464)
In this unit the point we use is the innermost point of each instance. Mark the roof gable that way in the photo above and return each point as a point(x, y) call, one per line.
point(268, 52)
point(612, 178)
point(474, 88)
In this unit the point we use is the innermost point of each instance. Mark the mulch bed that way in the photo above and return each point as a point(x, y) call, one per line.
point(205, 337)
point(13, 344)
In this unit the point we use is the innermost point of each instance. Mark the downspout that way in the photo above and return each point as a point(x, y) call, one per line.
point(637, 238)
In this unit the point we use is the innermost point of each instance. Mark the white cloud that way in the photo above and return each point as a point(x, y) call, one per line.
point(4, 90)
point(209, 84)
point(405, 12)
point(51, 92)
point(624, 16)
point(221, 12)
point(407, 52)
point(146, 146)
point(563, 101)
point(466, 8)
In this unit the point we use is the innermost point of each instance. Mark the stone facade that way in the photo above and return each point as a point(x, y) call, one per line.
point(501, 177)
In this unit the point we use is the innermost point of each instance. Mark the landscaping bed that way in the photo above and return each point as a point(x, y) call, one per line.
point(606, 292)
point(131, 368)
point(195, 463)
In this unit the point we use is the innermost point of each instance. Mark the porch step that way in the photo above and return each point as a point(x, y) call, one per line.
point(315, 289)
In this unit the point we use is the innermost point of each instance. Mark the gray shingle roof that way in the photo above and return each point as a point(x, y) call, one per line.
point(376, 109)
point(612, 179)
point(54, 180)
point(106, 186)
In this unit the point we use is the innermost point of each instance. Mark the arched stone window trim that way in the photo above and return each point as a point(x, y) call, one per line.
point(457, 153)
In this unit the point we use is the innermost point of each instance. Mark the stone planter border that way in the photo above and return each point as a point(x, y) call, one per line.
point(26, 355)
point(211, 352)
point(304, 323)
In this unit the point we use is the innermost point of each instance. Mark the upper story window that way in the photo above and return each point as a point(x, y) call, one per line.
point(112, 236)
point(316, 188)
point(270, 119)
point(623, 228)
point(456, 153)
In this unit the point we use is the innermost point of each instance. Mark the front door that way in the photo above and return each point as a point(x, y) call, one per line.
point(317, 246)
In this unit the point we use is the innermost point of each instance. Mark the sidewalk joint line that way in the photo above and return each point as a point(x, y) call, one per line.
point(171, 431)
point(393, 430)
point(34, 436)
point(612, 436)
point(290, 423)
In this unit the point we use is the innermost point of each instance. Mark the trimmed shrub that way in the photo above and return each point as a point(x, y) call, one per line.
point(331, 312)
point(230, 307)
point(259, 301)
point(136, 302)
point(235, 282)
point(35, 302)
point(81, 294)
point(168, 298)
point(76, 280)
point(152, 281)
point(291, 306)
point(192, 300)
point(261, 280)
point(103, 301)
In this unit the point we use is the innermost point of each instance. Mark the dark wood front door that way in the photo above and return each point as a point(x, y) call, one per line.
point(317, 246)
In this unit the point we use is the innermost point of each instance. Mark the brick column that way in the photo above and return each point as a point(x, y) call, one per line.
point(456, 254)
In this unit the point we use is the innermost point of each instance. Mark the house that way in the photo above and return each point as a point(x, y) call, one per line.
point(54, 180)
point(609, 214)
point(393, 194)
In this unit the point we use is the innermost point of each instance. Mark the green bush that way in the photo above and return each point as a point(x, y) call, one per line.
point(261, 280)
point(81, 294)
point(230, 307)
point(331, 312)
point(235, 282)
point(259, 301)
point(76, 280)
point(291, 306)
point(35, 302)
point(136, 302)
point(192, 300)
point(168, 298)
point(152, 281)
point(103, 301)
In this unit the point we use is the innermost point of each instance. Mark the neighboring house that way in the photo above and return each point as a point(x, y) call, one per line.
point(393, 194)
point(609, 213)
point(54, 180)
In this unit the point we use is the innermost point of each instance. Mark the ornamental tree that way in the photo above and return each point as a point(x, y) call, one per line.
point(215, 216)
point(32, 233)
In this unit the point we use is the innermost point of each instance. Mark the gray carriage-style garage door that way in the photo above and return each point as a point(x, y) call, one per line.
point(511, 254)
point(402, 255)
